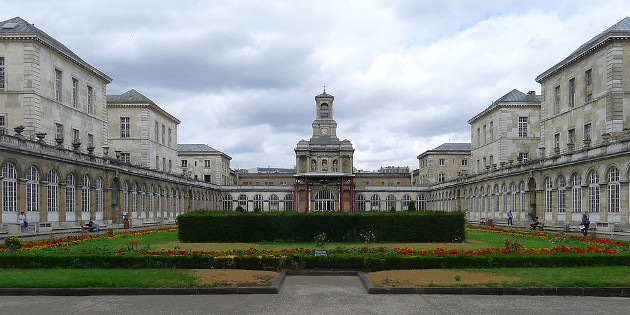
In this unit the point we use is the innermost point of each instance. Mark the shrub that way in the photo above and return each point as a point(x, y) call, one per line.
point(411, 206)
point(400, 226)
point(239, 209)
point(320, 240)
point(13, 243)
point(393, 209)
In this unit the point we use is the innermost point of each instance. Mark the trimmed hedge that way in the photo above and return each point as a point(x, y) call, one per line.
point(232, 226)
point(369, 262)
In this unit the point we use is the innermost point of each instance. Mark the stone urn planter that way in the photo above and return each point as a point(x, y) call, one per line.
point(40, 137)
point(18, 130)
point(76, 146)
point(59, 142)
point(90, 150)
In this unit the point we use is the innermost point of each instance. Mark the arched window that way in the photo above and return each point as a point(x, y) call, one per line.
point(258, 202)
point(227, 202)
point(158, 195)
point(375, 203)
point(242, 201)
point(497, 203)
point(562, 195)
point(613, 190)
point(53, 191)
point(476, 198)
point(323, 112)
point(324, 201)
point(32, 189)
point(134, 199)
point(151, 201)
point(9, 187)
point(483, 199)
point(274, 203)
point(359, 203)
point(577, 193)
point(143, 200)
point(422, 202)
point(548, 195)
point(513, 196)
point(70, 194)
point(288, 202)
point(505, 197)
point(593, 192)
point(99, 194)
point(390, 202)
point(522, 197)
point(405, 202)
point(85, 194)
point(125, 198)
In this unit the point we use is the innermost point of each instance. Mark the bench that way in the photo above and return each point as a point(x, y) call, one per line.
point(88, 228)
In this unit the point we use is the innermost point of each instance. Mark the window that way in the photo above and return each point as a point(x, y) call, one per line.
point(58, 131)
point(125, 157)
point(163, 164)
point(242, 201)
point(85, 194)
point(207, 163)
point(572, 93)
point(323, 113)
point(588, 85)
point(405, 202)
point(522, 127)
point(478, 137)
point(562, 195)
point(441, 162)
point(99, 195)
point(90, 140)
point(613, 190)
point(227, 202)
point(3, 124)
point(157, 131)
point(184, 163)
point(571, 136)
point(157, 162)
point(32, 189)
point(359, 203)
point(593, 192)
point(163, 134)
point(2, 75)
point(258, 202)
point(274, 203)
point(70, 197)
point(464, 162)
point(577, 193)
point(169, 137)
point(491, 131)
point(9, 187)
point(170, 165)
point(90, 95)
point(522, 197)
point(485, 135)
point(513, 194)
point(53, 191)
point(125, 198)
point(556, 102)
point(75, 91)
point(441, 178)
point(288, 202)
point(587, 132)
point(57, 85)
point(76, 136)
point(124, 127)
point(556, 140)
point(375, 203)
point(207, 178)
point(390, 202)
point(134, 198)
point(422, 202)
point(523, 157)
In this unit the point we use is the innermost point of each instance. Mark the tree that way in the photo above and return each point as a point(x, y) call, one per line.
point(411, 206)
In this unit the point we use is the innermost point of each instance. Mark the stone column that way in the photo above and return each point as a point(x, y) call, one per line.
point(603, 202)
point(624, 201)
point(43, 201)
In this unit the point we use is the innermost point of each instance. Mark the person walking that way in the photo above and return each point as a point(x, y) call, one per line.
point(586, 222)
point(510, 218)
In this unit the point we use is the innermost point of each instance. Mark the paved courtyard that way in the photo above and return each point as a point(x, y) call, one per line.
point(313, 295)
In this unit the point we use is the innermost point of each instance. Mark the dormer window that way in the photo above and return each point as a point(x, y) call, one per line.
point(323, 111)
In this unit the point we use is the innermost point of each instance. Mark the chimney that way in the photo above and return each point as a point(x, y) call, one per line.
point(531, 95)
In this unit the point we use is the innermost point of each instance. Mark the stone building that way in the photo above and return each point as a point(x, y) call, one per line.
point(443, 163)
point(141, 132)
point(48, 90)
point(205, 163)
point(505, 132)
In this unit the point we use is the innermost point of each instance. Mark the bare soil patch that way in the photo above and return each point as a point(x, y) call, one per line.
point(435, 277)
point(234, 277)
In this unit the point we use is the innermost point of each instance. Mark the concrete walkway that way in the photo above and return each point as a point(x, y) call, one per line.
point(314, 295)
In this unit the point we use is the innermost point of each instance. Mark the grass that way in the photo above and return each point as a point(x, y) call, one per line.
point(612, 276)
point(85, 278)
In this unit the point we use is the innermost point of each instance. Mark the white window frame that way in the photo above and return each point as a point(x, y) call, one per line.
point(576, 190)
point(52, 193)
point(614, 188)
point(523, 127)
point(32, 189)
point(58, 86)
point(125, 127)
point(593, 192)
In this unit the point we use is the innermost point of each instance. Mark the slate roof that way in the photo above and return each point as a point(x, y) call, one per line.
point(190, 148)
point(517, 96)
point(453, 147)
point(18, 26)
point(621, 28)
point(130, 97)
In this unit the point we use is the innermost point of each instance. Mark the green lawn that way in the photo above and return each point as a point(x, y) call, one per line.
point(611, 276)
point(82, 278)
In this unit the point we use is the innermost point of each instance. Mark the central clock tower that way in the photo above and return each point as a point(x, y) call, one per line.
point(324, 179)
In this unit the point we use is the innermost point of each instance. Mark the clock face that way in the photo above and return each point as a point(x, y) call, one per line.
point(324, 131)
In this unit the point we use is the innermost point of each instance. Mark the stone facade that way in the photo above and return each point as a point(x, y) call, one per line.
point(443, 163)
point(141, 132)
point(204, 163)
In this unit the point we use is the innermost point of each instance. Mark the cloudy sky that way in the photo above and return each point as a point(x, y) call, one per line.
point(242, 75)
